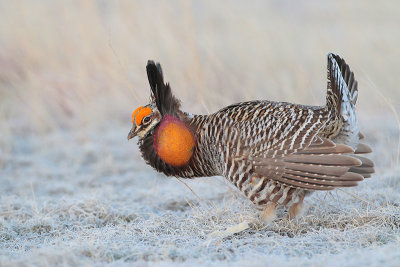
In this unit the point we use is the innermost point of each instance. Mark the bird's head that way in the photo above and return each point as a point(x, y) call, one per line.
point(144, 119)
point(163, 121)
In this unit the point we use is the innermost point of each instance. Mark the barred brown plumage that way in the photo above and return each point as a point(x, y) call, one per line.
point(274, 152)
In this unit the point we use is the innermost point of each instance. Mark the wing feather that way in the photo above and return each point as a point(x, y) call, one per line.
point(321, 166)
point(289, 150)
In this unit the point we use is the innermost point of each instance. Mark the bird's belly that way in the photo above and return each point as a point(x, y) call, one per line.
point(262, 191)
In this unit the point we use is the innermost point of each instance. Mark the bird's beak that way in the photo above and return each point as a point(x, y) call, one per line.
point(132, 133)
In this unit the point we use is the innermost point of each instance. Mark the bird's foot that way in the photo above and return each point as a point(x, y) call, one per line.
point(296, 209)
point(268, 215)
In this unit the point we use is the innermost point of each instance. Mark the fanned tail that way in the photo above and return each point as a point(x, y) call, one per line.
point(342, 93)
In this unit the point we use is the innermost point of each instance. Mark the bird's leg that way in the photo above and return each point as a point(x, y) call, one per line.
point(296, 208)
point(269, 213)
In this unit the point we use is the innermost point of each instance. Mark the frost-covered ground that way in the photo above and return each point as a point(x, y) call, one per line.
point(73, 191)
point(69, 199)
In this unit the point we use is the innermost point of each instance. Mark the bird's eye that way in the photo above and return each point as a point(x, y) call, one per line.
point(146, 119)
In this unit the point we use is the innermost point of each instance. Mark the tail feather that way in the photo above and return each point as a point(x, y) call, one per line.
point(342, 92)
point(342, 86)
point(341, 101)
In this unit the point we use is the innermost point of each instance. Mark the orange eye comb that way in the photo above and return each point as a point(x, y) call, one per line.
point(139, 113)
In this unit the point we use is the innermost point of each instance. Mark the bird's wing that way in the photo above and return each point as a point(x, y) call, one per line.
point(283, 145)
point(323, 165)
point(366, 168)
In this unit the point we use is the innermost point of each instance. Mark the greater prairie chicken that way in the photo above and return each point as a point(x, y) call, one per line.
point(276, 153)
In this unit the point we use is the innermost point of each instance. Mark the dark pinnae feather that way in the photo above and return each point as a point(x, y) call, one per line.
point(155, 76)
point(165, 101)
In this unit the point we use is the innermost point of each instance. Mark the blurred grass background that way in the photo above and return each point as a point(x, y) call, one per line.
point(73, 191)
point(78, 64)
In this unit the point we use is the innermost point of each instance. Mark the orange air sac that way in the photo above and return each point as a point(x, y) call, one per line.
point(174, 142)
